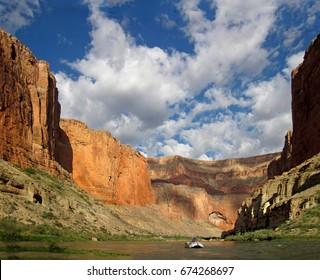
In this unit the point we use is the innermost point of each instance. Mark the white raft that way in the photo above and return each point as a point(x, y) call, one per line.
point(193, 244)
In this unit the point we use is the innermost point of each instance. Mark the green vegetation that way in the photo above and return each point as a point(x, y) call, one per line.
point(258, 235)
point(50, 180)
point(54, 251)
point(13, 230)
point(305, 227)
point(145, 237)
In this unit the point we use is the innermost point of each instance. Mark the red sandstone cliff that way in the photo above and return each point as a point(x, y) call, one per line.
point(206, 190)
point(304, 141)
point(230, 176)
point(31, 136)
point(112, 172)
point(29, 107)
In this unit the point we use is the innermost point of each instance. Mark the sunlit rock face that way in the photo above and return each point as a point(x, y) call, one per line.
point(206, 190)
point(31, 136)
point(29, 108)
point(101, 165)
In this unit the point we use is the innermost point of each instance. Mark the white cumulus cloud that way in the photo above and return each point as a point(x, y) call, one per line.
point(212, 103)
point(15, 14)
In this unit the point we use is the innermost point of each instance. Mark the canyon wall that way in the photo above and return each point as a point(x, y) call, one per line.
point(206, 190)
point(31, 135)
point(282, 198)
point(294, 183)
point(306, 105)
point(34, 198)
point(29, 108)
point(101, 165)
point(304, 141)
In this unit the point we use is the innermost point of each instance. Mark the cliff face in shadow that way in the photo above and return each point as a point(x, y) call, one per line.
point(295, 175)
point(303, 142)
point(283, 198)
point(206, 190)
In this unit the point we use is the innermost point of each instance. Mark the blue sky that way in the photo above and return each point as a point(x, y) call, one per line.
point(207, 79)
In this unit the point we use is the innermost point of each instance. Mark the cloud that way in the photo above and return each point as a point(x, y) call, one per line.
point(15, 14)
point(293, 62)
point(229, 45)
point(172, 147)
point(62, 40)
point(271, 106)
point(166, 22)
point(298, 15)
point(95, 4)
point(270, 98)
point(209, 104)
point(120, 83)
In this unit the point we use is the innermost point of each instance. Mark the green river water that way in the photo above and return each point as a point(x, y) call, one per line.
point(174, 250)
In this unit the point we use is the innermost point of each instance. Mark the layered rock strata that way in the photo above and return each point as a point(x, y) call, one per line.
point(101, 165)
point(206, 190)
point(281, 199)
point(230, 176)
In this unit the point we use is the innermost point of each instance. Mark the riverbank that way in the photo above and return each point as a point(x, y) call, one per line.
point(12, 230)
point(304, 227)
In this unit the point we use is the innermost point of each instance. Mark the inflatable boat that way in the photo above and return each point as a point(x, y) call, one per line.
point(193, 244)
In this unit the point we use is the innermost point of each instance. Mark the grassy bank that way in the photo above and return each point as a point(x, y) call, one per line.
point(13, 230)
point(305, 227)
point(53, 251)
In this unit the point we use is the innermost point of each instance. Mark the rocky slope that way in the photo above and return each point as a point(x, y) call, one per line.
point(202, 190)
point(29, 108)
point(63, 205)
point(285, 196)
point(112, 172)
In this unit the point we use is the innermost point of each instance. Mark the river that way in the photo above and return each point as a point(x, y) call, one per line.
point(174, 250)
